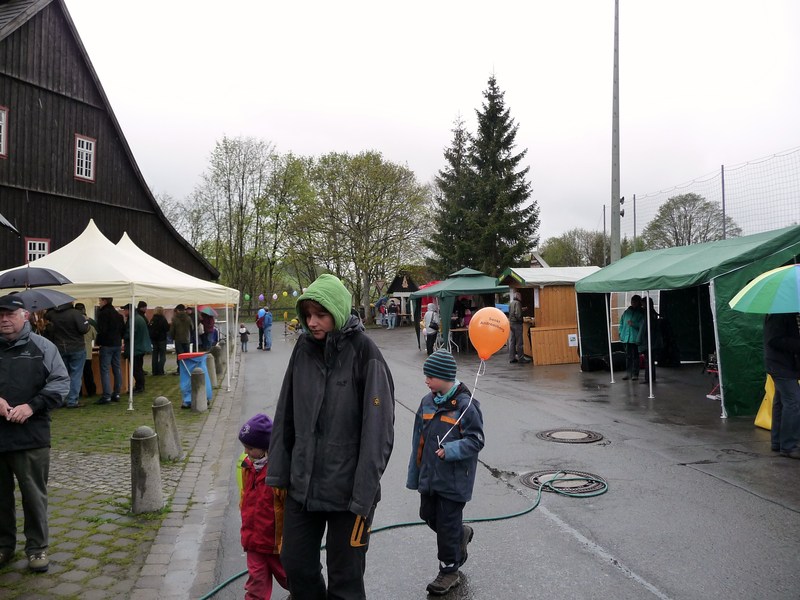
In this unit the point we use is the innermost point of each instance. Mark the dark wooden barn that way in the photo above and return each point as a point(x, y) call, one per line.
point(63, 156)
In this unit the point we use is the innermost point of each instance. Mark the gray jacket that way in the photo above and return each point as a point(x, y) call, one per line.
point(32, 373)
point(334, 424)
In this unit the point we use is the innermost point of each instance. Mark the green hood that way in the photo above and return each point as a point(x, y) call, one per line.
point(330, 293)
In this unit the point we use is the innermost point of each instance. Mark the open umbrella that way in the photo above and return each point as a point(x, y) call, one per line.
point(42, 299)
point(28, 277)
point(207, 310)
point(776, 291)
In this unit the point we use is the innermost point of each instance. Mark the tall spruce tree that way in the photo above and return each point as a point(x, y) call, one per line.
point(450, 249)
point(502, 225)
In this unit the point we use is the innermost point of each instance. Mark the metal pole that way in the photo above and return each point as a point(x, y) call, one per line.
point(615, 187)
point(634, 222)
point(608, 328)
point(722, 173)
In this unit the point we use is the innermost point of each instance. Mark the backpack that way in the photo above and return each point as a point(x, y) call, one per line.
point(260, 322)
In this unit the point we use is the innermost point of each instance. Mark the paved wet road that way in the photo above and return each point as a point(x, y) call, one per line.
point(697, 507)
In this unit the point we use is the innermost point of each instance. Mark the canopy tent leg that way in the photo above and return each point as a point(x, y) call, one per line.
point(649, 349)
point(608, 329)
point(131, 319)
point(713, 301)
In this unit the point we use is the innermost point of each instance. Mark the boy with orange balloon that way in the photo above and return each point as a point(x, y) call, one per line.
point(448, 435)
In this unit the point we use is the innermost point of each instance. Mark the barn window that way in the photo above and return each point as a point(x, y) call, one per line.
point(84, 157)
point(3, 132)
point(36, 248)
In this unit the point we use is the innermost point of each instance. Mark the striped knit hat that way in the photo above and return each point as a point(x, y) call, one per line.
point(441, 365)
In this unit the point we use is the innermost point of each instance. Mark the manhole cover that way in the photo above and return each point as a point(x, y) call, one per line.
point(570, 436)
point(577, 482)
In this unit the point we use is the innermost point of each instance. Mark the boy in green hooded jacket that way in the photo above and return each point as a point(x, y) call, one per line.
point(331, 440)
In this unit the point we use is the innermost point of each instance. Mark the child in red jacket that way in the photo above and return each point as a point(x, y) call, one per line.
point(262, 513)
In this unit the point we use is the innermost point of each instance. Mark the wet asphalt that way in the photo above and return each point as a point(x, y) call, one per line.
point(697, 506)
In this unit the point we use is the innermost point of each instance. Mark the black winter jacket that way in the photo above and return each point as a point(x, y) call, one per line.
point(110, 326)
point(782, 346)
point(31, 372)
point(334, 424)
point(66, 328)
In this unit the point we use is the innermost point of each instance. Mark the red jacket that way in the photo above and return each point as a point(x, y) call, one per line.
point(262, 512)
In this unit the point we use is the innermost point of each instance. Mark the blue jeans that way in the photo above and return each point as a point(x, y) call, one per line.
point(267, 337)
point(110, 357)
point(74, 363)
point(786, 414)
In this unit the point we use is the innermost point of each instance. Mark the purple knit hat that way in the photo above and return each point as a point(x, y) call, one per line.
point(256, 432)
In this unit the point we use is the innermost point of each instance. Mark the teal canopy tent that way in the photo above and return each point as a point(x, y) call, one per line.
point(466, 282)
point(696, 283)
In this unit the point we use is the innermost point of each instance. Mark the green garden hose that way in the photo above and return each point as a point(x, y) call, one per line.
point(550, 484)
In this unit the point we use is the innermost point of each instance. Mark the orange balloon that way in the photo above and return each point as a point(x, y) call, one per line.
point(488, 331)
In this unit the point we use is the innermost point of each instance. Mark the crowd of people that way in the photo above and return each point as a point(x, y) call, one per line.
point(77, 336)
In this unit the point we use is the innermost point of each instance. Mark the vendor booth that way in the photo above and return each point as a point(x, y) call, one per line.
point(550, 328)
point(480, 288)
point(401, 288)
point(695, 284)
point(99, 268)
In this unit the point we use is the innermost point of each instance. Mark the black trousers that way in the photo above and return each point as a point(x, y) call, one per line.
point(430, 341)
point(446, 518)
point(632, 359)
point(346, 550)
point(88, 378)
point(260, 338)
point(138, 372)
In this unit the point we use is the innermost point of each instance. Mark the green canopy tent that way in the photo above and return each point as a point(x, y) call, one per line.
point(466, 282)
point(696, 283)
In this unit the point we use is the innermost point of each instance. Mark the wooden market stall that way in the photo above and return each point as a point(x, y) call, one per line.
point(550, 328)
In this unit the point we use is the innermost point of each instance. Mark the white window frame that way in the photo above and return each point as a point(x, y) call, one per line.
point(3, 132)
point(85, 153)
point(36, 248)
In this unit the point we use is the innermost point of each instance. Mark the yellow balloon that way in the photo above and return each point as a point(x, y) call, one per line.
point(285, 294)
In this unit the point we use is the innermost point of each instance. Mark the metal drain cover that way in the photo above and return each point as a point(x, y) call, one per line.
point(576, 486)
point(570, 436)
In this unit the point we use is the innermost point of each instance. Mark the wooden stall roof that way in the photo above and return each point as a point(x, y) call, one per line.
point(544, 276)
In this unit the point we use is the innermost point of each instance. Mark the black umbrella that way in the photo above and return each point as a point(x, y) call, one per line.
point(28, 277)
point(42, 299)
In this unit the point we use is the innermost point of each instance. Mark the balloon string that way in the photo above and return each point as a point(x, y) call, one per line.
point(481, 371)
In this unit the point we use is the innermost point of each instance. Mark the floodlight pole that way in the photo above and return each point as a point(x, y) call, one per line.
point(615, 188)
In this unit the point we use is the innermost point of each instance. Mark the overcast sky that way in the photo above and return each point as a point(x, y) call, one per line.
point(702, 83)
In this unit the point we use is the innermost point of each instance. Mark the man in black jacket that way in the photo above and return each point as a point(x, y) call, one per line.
point(33, 380)
point(66, 328)
point(781, 356)
point(110, 328)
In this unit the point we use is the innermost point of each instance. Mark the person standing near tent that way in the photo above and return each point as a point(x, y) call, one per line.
point(782, 362)
point(158, 329)
point(431, 323)
point(516, 346)
point(332, 436)
point(180, 330)
point(653, 341)
point(66, 329)
point(110, 327)
point(141, 345)
point(629, 325)
point(33, 381)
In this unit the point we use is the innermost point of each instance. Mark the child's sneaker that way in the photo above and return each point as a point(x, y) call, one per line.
point(466, 538)
point(443, 583)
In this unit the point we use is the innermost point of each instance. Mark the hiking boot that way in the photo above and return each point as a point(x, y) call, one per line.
point(466, 538)
point(6, 556)
point(39, 562)
point(443, 583)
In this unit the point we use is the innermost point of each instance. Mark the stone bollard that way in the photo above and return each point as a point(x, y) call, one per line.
point(220, 354)
point(199, 397)
point(212, 370)
point(146, 493)
point(169, 440)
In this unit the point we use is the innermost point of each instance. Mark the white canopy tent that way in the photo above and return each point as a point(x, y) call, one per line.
point(99, 269)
